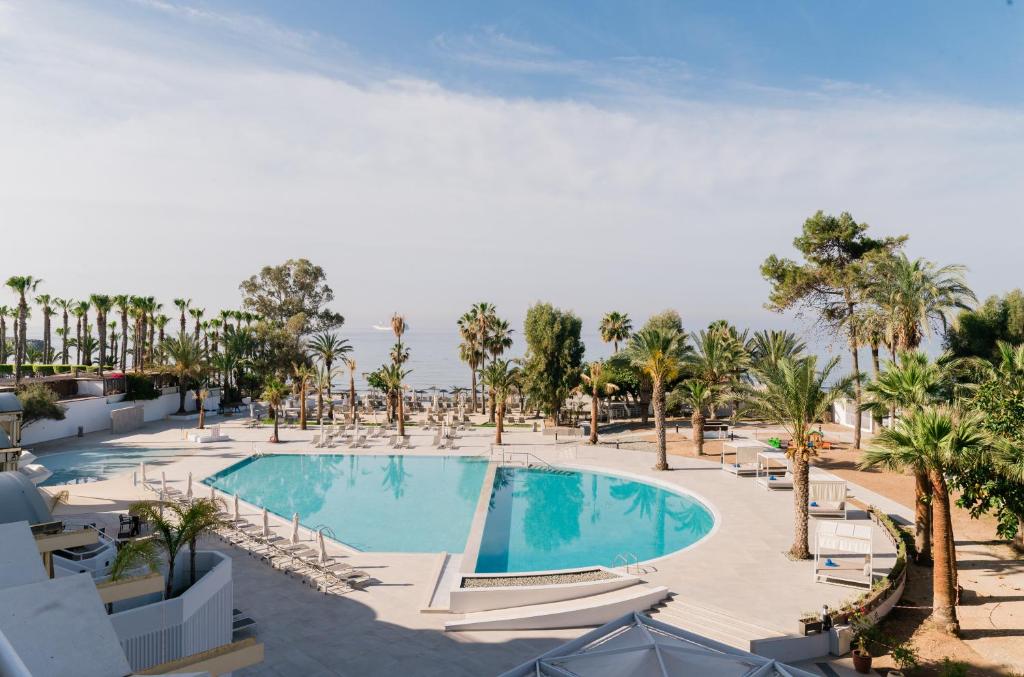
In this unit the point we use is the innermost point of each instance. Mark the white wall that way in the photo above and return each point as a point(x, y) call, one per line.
point(93, 414)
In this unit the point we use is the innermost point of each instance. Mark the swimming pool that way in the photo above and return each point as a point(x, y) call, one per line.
point(379, 503)
point(542, 519)
point(102, 463)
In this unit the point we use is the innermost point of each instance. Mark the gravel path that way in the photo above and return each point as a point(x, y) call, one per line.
point(553, 579)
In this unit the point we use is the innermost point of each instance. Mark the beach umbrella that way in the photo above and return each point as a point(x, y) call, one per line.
point(188, 488)
point(142, 470)
point(238, 516)
point(213, 493)
point(163, 482)
point(295, 528)
point(323, 546)
point(266, 523)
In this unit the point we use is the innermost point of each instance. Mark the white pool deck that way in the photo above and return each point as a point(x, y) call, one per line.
point(739, 569)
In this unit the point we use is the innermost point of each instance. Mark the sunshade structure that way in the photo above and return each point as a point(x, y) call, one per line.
point(638, 646)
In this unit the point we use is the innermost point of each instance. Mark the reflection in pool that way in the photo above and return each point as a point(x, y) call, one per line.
point(543, 519)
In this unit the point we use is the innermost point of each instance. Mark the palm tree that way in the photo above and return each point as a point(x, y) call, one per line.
point(398, 327)
point(22, 285)
point(321, 381)
point(188, 363)
point(596, 384)
point(123, 304)
point(499, 339)
point(197, 317)
point(658, 354)
point(470, 351)
point(940, 440)
point(770, 346)
point(182, 305)
point(500, 376)
point(103, 304)
point(329, 347)
point(132, 554)
point(718, 358)
point(700, 396)
point(200, 517)
point(274, 393)
point(4, 312)
point(302, 374)
point(916, 295)
point(161, 322)
point(615, 327)
point(793, 394)
point(45, 302)
point(81, 313)
point(350, 362)
point(1007, 457)
point(393, 377)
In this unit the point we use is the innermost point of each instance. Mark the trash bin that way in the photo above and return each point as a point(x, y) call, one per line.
point(840, 637)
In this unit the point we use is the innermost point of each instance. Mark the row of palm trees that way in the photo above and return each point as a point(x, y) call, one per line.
point(483, 335)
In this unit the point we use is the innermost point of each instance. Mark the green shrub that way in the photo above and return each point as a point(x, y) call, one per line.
point(61, 369)
point(92, 369)
point(39, 402)
point(42, 369)
point(140, 387)
point(6, 369)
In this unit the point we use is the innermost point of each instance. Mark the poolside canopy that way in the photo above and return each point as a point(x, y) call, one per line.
point(640, 646)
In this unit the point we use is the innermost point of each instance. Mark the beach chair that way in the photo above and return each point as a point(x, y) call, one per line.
point(826, 498)
point(745, 462)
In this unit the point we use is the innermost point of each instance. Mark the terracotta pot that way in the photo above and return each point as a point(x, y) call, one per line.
point(861, 662)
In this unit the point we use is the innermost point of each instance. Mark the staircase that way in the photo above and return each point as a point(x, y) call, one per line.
point(711, 623)
point(574, 613)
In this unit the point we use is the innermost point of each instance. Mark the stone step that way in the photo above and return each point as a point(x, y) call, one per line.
point(575, 613)
point(712, 623)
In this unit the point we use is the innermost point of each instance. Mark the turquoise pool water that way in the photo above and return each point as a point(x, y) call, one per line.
point(379, 503)
point(541, 519)
point(102, 463)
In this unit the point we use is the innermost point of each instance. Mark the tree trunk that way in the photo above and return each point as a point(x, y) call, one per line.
point(855, 359)
point(659, 424)
point(64, 341)
point(181, 395)
point(472, 401)
point(124, 341)
point(922, 518)
point(943, 592)
point(319, 406)
point(401, 415)
point(352, 396)
point(19, 347)
point(101, 330)
point(490, 394)
point(1018, 540)
point(275, 438)
point(302, 406)
point(201, 404)
point(801, 480)
point(169, 587)
point(192, 561)
point(499, 426)
point(698, 430)
point(330, 375)
point(46, 335)
point(593, 419)
point(875, 367)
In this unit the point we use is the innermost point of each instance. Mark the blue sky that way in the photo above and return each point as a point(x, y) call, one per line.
point(968, 50)
point(629, 156)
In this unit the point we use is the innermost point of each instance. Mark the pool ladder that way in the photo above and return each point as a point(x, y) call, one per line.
point(625, 558)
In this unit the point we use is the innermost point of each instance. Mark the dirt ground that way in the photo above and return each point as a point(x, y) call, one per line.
point(991, 573)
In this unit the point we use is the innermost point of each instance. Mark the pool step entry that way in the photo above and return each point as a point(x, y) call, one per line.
point(711, 623)
point(575, 613)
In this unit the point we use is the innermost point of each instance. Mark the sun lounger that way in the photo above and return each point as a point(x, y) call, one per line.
point(773, 470)
point(826, 498)
point(745, 459)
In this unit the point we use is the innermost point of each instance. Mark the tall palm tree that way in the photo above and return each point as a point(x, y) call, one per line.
point(917, 295)
point(302, 374)
point(939, 439)
point(595, 383)
point(329, 347)
point(22, 285)
point(123, 302)
point(200, 517)
point(394, 379)
point(103, 304)
point(615, 327)
point(793, 394)
point(182, 305)
point(45, 302)
point(718, 359)
point(160, 321)
point(470, 351)
point(65, 306)
point(350, 362)
point(658, 354)
point(188, 363)
point(500, 376)
point(176, 524)
point(4, 311)
point(498, 340)
point(398, 328)
point(770, 346)
point(700, 396)
point(81, 313)
point(197, 317)
point(138, 313)
point(321, 381)
point(274, 394)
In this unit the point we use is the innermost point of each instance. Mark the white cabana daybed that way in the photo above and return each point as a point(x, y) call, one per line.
point(746, 451)
point(826, 498)
point(774, 470)
point(208, 435)
point(843, 554)
point(640, 646)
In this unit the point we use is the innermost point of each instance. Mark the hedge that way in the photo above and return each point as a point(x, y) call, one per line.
point(6, 369)
point(42, 369)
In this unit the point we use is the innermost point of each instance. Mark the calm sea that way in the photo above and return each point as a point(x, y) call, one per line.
point(433, 355)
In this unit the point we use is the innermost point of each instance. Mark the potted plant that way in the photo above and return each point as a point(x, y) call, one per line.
point(809, 623)
point(864, 629)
